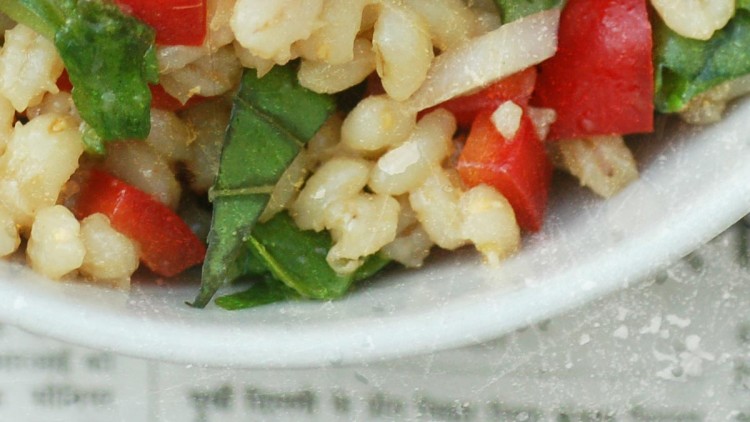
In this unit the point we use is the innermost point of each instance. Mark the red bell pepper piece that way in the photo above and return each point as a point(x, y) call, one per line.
point(516, 87)
point(518, 167)
point(162, 100)
point(600, 81)
point(63, 82)
point(177, 22)
point(167, 245)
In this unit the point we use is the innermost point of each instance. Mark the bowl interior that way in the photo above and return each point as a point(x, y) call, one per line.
point(693, 185)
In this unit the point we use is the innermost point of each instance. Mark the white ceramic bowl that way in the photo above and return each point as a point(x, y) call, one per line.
point(693, 185)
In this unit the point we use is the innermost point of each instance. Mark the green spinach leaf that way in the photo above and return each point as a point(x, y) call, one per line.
point(511, 10)
point(110, 58)
point(372, 265)
point(272, 119)
point(264, 291)
point(297, 258)
point(295, 266)
point(45, 17)
point(684, 68)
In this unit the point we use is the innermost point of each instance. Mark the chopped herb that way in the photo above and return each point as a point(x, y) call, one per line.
point(262, 292)
point(92, 142)
point(110, 58)
point(684, 68)
point(295, 266)
point(511, 10)
point(272, 119)
point(298, 258)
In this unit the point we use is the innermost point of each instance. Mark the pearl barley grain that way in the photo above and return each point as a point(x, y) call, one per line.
point(40, 157)
point(55, 247)
point(111, 257)
point(9, 238)
point(377, 122)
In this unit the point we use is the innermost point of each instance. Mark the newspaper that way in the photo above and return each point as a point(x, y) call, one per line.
point(675, 347)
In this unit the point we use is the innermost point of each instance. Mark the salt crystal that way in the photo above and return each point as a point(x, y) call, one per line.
point(653, 326)
point(622, 313)
point(693, 342)
point(621, 332)
point(677, 321)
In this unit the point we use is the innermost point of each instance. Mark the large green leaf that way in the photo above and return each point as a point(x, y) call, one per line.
point(684, 68)
point(110, 58)
point(272, 119)
point(295, 266)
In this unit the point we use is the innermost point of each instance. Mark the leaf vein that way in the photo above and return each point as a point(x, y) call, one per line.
point(272, 121)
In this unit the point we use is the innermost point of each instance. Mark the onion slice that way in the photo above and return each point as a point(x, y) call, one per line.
point(489, 57)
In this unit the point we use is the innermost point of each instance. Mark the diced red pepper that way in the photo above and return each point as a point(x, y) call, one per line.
point(162, 100)
point(516, 87)
point(177, 22)
point(600, 81)
point(518, 167)
point(167, 245)
point(63, 82)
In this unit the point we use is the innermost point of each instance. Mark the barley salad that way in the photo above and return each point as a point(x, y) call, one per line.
point(303, 145)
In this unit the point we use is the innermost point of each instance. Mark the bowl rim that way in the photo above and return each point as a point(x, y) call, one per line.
point(390, 336)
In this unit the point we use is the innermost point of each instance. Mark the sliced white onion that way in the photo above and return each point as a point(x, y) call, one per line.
point(489, 57)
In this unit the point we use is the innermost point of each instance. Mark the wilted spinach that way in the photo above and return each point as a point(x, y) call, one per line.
point(684, 68)
point(110, 58)
point(272, 119)
point(292, 264)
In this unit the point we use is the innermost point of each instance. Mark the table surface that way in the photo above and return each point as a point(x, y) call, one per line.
point(675, 347)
